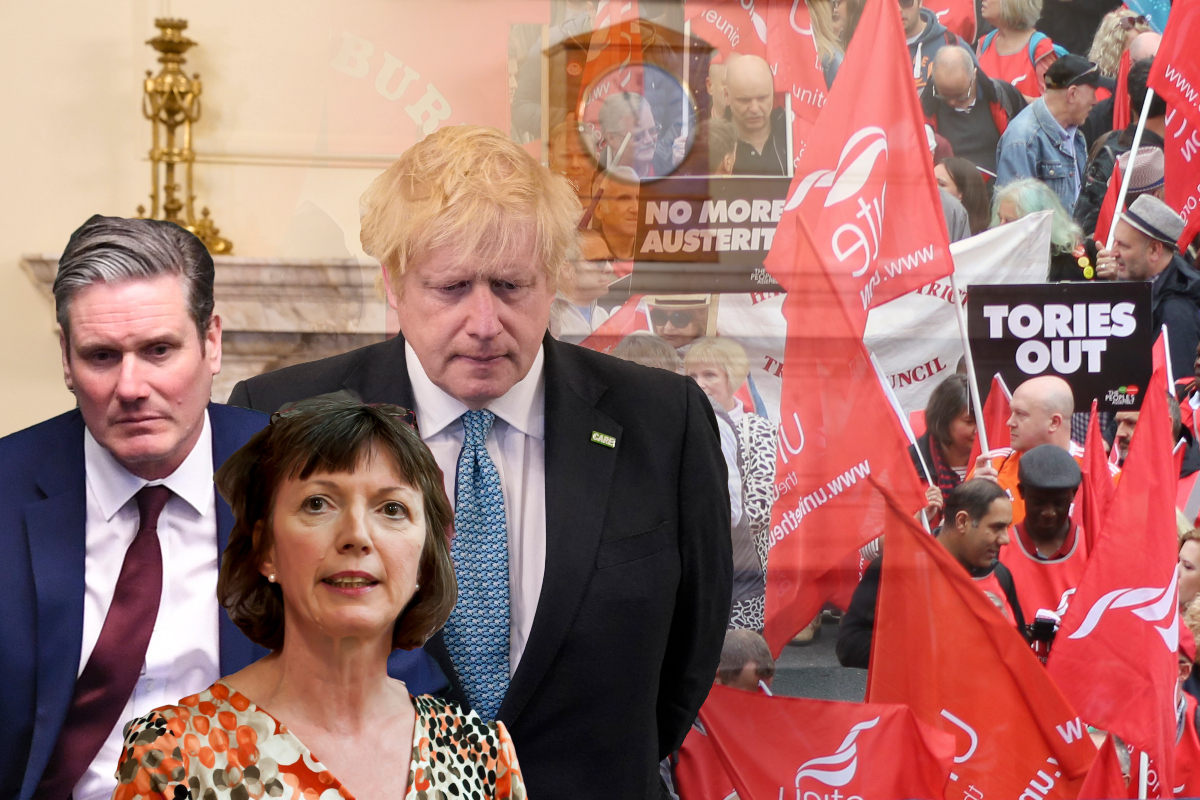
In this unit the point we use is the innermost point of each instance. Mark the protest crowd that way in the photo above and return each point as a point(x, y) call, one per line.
point(551, 539)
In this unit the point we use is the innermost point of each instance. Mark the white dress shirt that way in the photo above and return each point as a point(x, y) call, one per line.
point(517, 446)
point(183, 655)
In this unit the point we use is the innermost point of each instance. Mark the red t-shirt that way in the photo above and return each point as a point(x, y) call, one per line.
point(1187, 755)
point(993, 591)
point(1016, 68)
point(1044, 582)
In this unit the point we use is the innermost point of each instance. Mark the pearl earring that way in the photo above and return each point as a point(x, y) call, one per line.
point(418, 586)
point(271, 578)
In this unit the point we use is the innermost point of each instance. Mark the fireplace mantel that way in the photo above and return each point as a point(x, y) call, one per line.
point(278, 312)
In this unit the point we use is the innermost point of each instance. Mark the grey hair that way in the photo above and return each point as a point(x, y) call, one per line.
point(115, 249)
point(744, 647)
point(617, 106)
point(1030, 195)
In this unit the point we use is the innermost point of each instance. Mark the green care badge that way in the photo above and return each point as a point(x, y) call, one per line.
point(604, 439)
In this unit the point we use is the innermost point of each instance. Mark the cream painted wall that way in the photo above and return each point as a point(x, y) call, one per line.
point(73, 142)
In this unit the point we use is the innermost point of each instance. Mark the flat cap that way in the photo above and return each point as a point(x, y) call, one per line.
point(1155, 219)
point(1048, 466)
point(1148, 169)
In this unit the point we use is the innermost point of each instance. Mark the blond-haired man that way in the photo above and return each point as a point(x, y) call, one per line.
point(597, 556)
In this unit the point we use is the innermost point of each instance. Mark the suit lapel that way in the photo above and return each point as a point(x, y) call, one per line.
point(56, 527)
point(578, 477)
point(235, 650)
point(384, 379)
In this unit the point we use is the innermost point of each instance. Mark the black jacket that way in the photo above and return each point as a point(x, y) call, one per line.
point(858, 623)
point(1175, 302)
point(1100, 169)
point(629, 626)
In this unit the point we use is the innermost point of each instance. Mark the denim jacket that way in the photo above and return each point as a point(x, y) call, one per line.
point(1032, 147)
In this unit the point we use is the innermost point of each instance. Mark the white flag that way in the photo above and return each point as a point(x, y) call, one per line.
point(915, 337)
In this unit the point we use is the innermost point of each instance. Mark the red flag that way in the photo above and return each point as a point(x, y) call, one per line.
point(1121, 111)
point(627, 319)
point(1114, 655)
point(994, 421)
point(1176, 76)
point(1181, 172)
point(699, 773)
point(1105, 780)
point(790, 746)
point(1096, 492)
point(614, 59)
point(727, 26)
point(865, 183)
point(942, 647)
point(792, 54)
point(957, 15)
point(837, 429)
point(398, 74)
point(1108, 207)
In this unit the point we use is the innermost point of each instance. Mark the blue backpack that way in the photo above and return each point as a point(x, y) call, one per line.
point(1034, 41)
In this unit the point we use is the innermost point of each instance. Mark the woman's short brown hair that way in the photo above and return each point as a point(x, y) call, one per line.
point(328, 435)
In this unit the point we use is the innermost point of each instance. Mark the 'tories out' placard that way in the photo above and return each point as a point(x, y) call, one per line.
point(1096, 336)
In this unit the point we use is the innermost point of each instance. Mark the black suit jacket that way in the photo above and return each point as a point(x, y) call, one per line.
point(43, 545)
point(635, 598)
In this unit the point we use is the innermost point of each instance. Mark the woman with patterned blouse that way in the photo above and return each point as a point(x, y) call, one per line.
point(721, 367)
point(338, 555)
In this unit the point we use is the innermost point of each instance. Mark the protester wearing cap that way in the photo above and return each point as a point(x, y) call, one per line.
point(1144, 249)
point(1101, 168)
point(1047, 551)
point(679, 319)
point(1043, 141)
point(978, 514)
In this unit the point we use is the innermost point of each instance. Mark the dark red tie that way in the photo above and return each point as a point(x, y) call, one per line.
point(112, 671)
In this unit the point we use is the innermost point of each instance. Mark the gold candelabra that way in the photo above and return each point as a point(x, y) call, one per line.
point(172, 103)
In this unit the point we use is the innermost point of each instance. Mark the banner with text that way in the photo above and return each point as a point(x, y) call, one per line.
point(1096, 336)
point(915, 337)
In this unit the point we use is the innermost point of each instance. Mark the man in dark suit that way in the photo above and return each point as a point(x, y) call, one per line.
point(110, 527)
point(592, 543)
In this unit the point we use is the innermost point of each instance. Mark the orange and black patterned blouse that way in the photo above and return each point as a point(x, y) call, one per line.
point(217, 745)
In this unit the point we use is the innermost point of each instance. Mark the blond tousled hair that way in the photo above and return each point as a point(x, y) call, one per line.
point(1109, 42)
point(473, 188)
point(1020, 15)
point(722, 353)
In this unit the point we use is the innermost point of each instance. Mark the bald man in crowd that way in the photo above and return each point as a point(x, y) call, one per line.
point(1041, 414)
point(762, 137)
point(967, 107)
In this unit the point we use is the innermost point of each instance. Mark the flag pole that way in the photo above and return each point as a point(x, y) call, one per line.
point(687, 64)
point(972, 382)
point(908, 431)
point(1137, 141)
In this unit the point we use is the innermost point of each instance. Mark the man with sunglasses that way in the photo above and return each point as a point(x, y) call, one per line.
point(680, 319)
point(1044, 141)
point(968, 108)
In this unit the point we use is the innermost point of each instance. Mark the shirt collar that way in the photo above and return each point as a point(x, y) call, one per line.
point(523, 406)
point(1031, 547)
point(114, 486)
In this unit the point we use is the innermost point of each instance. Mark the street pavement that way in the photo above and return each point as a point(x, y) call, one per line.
point(812, 670)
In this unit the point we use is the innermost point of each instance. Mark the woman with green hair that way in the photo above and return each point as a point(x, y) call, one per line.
point(1070, 259)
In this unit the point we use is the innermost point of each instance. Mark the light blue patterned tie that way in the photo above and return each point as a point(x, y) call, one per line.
point(476, 635)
